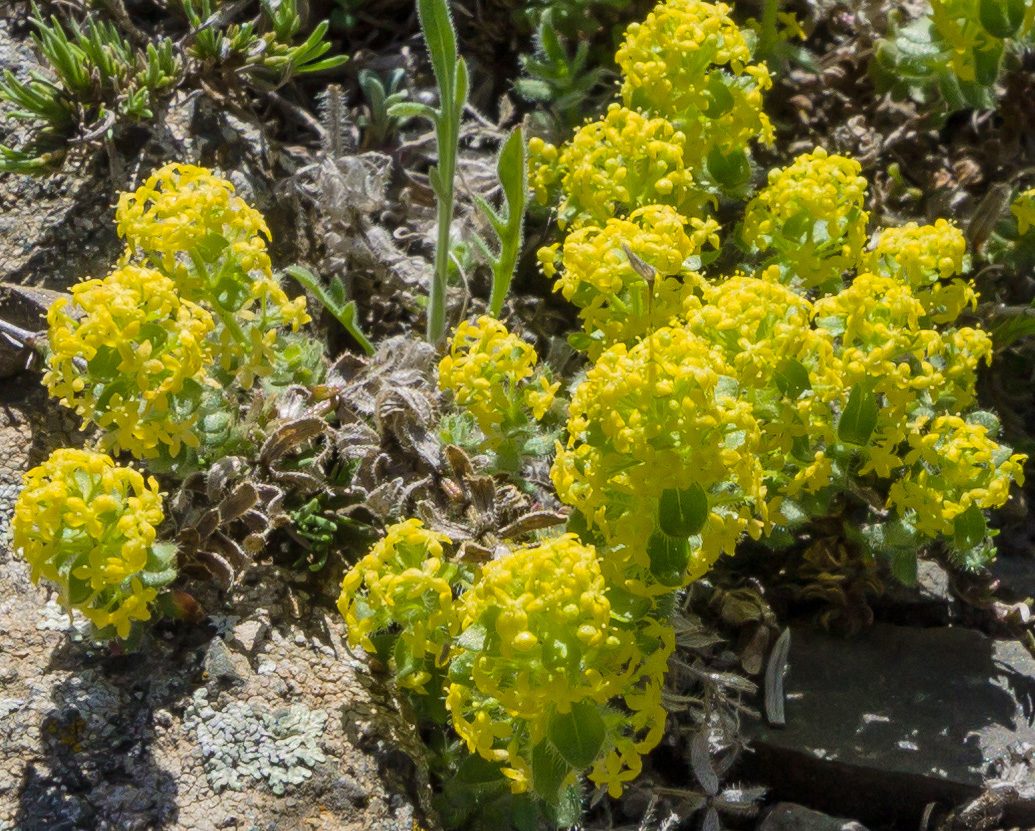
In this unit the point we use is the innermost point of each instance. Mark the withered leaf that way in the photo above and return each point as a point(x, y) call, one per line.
point(774, 675)
point(290, 435)
point(243, 497)
point(535, 521)
point(208, 523)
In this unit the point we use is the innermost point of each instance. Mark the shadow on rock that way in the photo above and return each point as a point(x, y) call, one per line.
point(98, 770)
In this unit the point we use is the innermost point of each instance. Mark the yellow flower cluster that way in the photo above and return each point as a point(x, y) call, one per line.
point(975, 51)
point(540, 645)
point(88, 526)
point(811, 214)
point(616, 303)
point(615, 165)
point(689, 62)
point(665, 414)
point(953, 465)
point(496, 377)
point(692, 105)
point(533, 648)
point(924, 257)
point(187, 223)
point(1023, 210)
point(128, 354)
point(183, 208)
point(406, 581)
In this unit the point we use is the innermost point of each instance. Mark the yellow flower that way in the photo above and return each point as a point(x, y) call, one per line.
point(89, 526)
point(688, 62)
point(186, 222)
point(616, 303)
point(811, 213)
point(129, 354)
point(405, 579)
point(495, 376)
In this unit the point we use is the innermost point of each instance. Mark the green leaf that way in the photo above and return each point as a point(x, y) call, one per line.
point(578, 735)
point(460, 93)
point(731, 170)
point(1001, 18)
point(970, 528)
point(798, 226)
point(549, 771)
point(904, 566)
point(212, 246)
point(986, 65)
point(792, 378)
point(720, 99)
point(682, 513)
point(668, 558)
point(859, 418)
point(411, 109)
point(437, 27)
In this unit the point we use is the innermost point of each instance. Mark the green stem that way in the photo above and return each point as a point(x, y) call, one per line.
point(768, 37)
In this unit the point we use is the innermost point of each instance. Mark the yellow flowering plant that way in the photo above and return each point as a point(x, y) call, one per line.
point(89, 526)
point(524, 656)
point(192, 312)
point(719, 406)
point(822, 379)
point(186, 223)
point(128, 354)
point(496, 377)
point(810, 220)
point(691, 107)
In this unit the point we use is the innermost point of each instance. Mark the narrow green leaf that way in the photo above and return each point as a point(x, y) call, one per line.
point(411, 109)
point(437, 26)
point(460, 92)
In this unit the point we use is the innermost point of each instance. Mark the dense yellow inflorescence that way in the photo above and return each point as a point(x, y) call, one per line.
point(495, 375)
point(615, 165)
point(663, 414)
point(811, 214)
point(616, 303)
point(689, 62)
point(88, 526)
point(186, 222)
point(120, 354)
point(929, 259)
point(546, 644)
point(405, 580)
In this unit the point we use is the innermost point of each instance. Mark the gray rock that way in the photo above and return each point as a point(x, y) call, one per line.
point(1016, 576)
point(786, 816)
point(248, 636)
point(223, 666)
point(882, 724)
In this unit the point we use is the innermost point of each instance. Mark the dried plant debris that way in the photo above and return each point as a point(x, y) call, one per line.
point(483, 511)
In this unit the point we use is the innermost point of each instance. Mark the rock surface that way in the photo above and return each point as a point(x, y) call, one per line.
point(882, 724)
point(257, 719)
point(786, 816)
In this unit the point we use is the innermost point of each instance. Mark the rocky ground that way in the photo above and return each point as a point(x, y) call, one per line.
point(258, 717)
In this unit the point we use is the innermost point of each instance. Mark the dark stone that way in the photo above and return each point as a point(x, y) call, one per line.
point(880, 725)
point(786, 816)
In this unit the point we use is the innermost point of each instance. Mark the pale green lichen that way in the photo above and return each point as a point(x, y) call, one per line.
point(241, 742)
